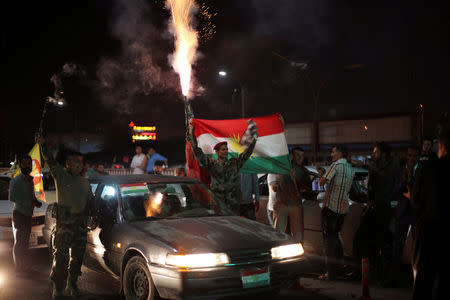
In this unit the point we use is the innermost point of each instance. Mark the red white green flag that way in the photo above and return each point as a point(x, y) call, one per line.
point(271, 153)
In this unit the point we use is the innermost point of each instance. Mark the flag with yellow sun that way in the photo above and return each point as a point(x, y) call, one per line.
point(271, 154)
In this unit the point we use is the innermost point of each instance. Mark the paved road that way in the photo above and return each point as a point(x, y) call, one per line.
point(95, 285)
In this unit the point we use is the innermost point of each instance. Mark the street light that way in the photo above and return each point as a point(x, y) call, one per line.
point(243, 92)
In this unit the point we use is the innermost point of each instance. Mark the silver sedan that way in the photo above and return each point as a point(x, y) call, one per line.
point(165, 236)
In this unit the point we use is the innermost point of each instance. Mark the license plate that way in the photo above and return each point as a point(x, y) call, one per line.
point(255, 277)
point(33, 239)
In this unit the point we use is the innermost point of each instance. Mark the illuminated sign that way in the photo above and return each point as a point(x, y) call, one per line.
point(142, 137)
point(144, 128)
point(142, 133)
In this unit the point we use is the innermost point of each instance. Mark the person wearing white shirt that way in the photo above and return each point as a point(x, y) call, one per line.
point(272, 182)
point(139, 161)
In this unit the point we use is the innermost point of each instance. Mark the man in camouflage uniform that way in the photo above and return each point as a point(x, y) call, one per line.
point(75, 202)
point(225, 177)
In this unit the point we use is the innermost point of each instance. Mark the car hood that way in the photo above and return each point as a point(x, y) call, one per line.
point(220, 233)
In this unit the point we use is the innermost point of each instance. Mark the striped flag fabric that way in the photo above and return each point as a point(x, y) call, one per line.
point(36, 171)
point(271, 154)
point(133, 189)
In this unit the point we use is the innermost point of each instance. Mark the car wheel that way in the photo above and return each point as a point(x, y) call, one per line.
point(137, 281)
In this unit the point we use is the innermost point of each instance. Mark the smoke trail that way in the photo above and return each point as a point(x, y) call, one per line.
point(68, 70)
point(131, 80)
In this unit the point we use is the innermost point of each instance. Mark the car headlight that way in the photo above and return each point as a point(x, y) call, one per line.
point(197, 260)
point(287, 251)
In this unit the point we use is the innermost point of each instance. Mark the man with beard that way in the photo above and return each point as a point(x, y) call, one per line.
point(21, 193)
point(74, 203)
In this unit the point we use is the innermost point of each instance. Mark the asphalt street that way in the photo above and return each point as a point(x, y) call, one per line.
point(95, 285)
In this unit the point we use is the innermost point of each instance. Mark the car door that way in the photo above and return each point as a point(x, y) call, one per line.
point(99, 240)
point(6, 208)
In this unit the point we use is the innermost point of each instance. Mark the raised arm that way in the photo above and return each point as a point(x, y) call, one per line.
point(202, 159)
point(242, 158)
point(55, 168)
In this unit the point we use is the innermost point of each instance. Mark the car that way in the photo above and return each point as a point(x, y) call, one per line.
point(312, 207)
point(6, 208)
point(357, 201)
point(169, 236)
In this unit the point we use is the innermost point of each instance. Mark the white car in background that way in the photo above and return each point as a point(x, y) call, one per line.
point(312, 207)
point(6, 208)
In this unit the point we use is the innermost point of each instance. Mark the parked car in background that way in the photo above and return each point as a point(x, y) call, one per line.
point(312, 206)
point(6, 208)
point(169, 236)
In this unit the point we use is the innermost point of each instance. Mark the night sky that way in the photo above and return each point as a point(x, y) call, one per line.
point(120, 49)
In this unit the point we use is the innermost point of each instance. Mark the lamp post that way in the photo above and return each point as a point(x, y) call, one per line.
point(243, 92)
point(316, 96)
point(303, 66)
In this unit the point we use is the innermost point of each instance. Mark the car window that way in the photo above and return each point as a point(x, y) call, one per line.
point(4, 188)
point(94, 187)
point(108, 203)
point(169, 200)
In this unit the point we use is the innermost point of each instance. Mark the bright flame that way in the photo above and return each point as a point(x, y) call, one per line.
point(185, 40)
point(153, 205)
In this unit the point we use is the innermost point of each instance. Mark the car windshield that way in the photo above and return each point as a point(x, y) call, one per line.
point(142, 201)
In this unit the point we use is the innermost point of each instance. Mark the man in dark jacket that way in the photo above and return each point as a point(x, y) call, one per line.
point(372, 237)
point(405, 214)
point(430, 194)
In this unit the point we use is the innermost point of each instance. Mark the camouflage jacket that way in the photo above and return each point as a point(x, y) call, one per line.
point(73, 193)
point(225, 178)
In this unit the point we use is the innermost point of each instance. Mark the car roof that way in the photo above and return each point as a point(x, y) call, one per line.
point(135, 178)
point(357, 170)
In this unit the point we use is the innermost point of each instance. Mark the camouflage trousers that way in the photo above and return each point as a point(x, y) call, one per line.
point(69, 246)
point(231, 201)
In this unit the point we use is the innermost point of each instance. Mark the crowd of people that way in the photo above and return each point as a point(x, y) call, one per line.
point(419, 185)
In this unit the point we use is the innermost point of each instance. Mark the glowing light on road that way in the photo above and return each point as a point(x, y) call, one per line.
point(186, 41)
point(222, 73)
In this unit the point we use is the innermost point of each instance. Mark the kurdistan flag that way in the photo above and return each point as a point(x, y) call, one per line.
point(36, 172)
point(133, 189)
point(271, 154)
